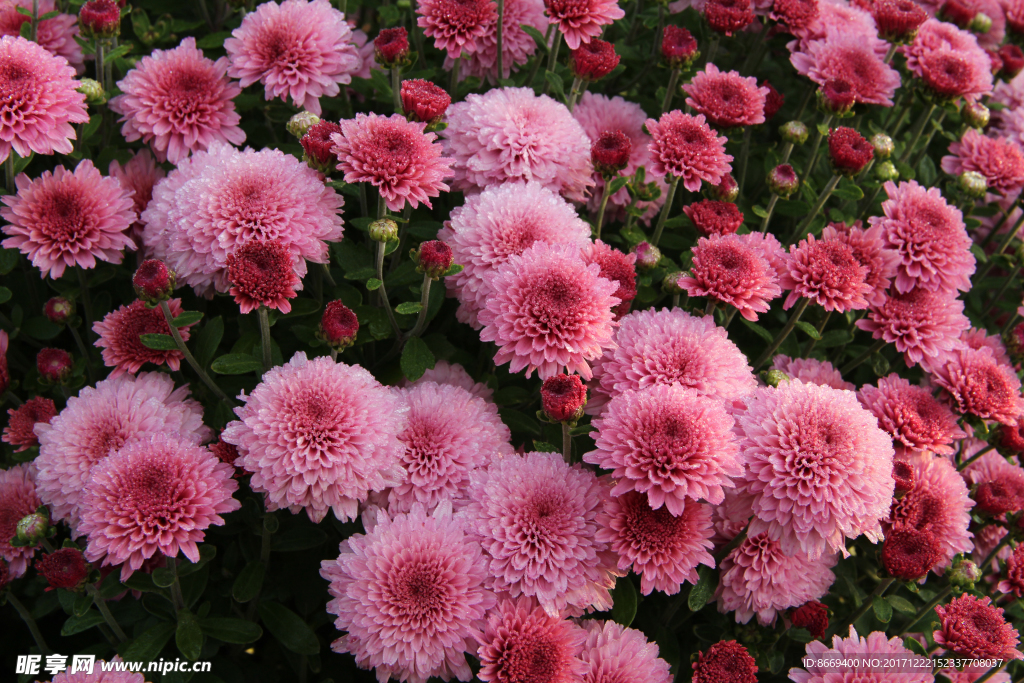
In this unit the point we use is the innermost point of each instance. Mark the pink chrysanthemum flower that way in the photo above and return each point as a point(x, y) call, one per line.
point(663, 548)
point(758, 578)
point(618, 267)
point(973, 627)
point(496, 224)
point(852, 651)
point(455, 25)
point(668, 442)
point(139, 175)
point(262, 273)
point(599, 113)
point(99, 421)
point(685, 147)
point(581, 20)
point(818, 468)
point(522, 642)
point(979, 338)
point(410, 596)
point(869, 249)
point(949, 61)
point(69, 218)
point(812, 371)
point(517, 46)
point(21, 422)
point(298, 49)
point(454, 374)
point(548, 310)
point(911, 415)
point(970, 674)
point(733, 270)
point(979, 384)
point(99, 675)
point(671, 346)
point(939, 502)
point(56, 34)
point(920, 323)
point(726, 98)
point(852, 58)
point(1013, 576)
point(319, 435)
point(119, 337)
point(616, 654)
point(395, 156)
point(18, 498)
point(449, 433)
point(1000, 160)
point(156, 495)
point(512, 134)
point(218, 200)
point(535, 518)
point(826, 272)
point(178, 102)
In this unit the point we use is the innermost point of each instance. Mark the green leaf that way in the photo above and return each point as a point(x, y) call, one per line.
point(520, 422)
point(163, 577)
point(618, 184)
point(288, 628)
point(236, 364)
point(795, 209)
point(119, 51)
point(301, 307)
point(454, 269)
point(83, 601)
point(40, 328)
point(417, 358)
point(556, 84)
point(8, 259)
point(187, 318)
point(140, 21)
point(236, 631)
point(537, 36)
point(389, 14)
point(979, 253)
point(188, 636)
point(510, 396)
point(5, 295)
point(901, 604)
point(822, 129)
point(213, 40)
point(78, 624)
point(160, 342)
point(883, 610)
point(147, 647)
point(208, 339)
point(207, 552)
point(926, 172)
point(624, 601)
point(703, 589)
point(759, 211)
point(761, 332)
point(249, 582)
point(373, 284)
point(545, 447)
point(848, 191)
point(879, 365)
point(409, 307)
point(142, 582)
point(808, 329)
point(834, 338)
point(915, 646)
point(301, 538)
point(776, 662)
point(800, 635)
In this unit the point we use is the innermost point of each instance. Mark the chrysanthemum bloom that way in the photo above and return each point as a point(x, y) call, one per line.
point(562, 398)
point(22, 421)
point(54, 365)
point(729, 269)
point(826, 272)
point(119, 337)
point(178, 102)
point(139, 175)
point(1013, 60)
point(979, 384)
point(218, 200)
point(316, 146)
point(501, 222)
point(685, 147)
point(339, 325)
point(410, 596)
point(1013, 576)
point(18, 497)
point(619, 268)
point(68, 218)
point(678, 46)
point(671, 346)
point(870, 251)
point(938, 503)
point(616, 654)
point(99, 421)
point(581, 20)
point(812, 371)
point(726, 660)
point(973, 627)
point(849, 151)
point(812, 616)
point(663, 548)
point(522, 642)
point(444, 372)
point(1000, 160)
point(726, 98)
point(513, 134)
point(424, 101)
point(299, 49)
point(594, 60)
point(517, 46)
point(911, 415)
point(794, 14)
point(154, 281)
point(758, 578)
point(818, 468)
point(449, 433)
point(979, 338)
point(853, 59)
point(668, 442)
point(65, 568)
point(898, 20)
point(1000, 497)
point(949, 61)
point(535, 518)
point(56, 34)
point(714, 218)
point(549, 310)
point(262, 273)
point(920, 323)
point(455, 24)
point(391, 47)
point(857, 653)
point(909, 553)
point(972, 673)
point(728, 16)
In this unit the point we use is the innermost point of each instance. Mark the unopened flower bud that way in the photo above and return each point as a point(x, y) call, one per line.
point(783, 181)
point(391, 47)
point(774, 378)
point(339, 325)
point(794, 131)
point(678, 47)
point(886, 171)
point(671, 283)
point(384, 230)
point(563, 397)
point(93, 91)
point(59, 310)
point(32, 529)
point(154, 281)
point(883, 146)
point(1013, 60)
point(972, 184)
point(982, 23)
point(299, 124)
point(903, 475)
point(836, 97)
point(849, 151)
point(647, 256)
point(610, 154)
point(594, 60)
point(812, 616)
point(316, 145)
point(99, 19)
point(54, 365)
point(727, 189)
point(433, 258)
point(964, 573)
point(976, 114)
point(66, 568)
point(898, 20)
point(424, 101)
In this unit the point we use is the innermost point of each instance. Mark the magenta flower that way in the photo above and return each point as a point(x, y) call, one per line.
point(920, 323)
point(870, 251)
point(56, 34)
point(726, 98)
point(852, 58)
point(856, 654)
point(100, 676)
point(949, 61)
point(685, 147)
point(454, 374)
point(1000, 160)
point(455, 24)
point(975, 628)
point(262, 273)
point(827, 272)
point(119, 337)
point(21, 422)
point(581, 20)
point(139, 175)
point(734, 270)
point(911, 415)
point(517, 46)
point(812, 371)
point(18, 497)
point(979, 384)
point(524, 643)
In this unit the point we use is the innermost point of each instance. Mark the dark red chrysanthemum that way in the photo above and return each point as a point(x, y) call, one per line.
point(1011, 437)
point(610, 154)
point(1013, 581)
point(563, 397)
point(812, 616)
point(65, 568)
point(1013, 60)
point(339, 325)
point(714, 218)
point(678, 46)
point(100, 18)
point(783, 180)
point(391, 46)
point(263, 274)
point(5, 574)
point(997, 61)
point(849, 150)
point(773, 102)
point(153, 281)
point(22, 420)
point(903, 474)
point(727, 16)
point(54, 365)
point(59, 310)
point(593, 60)
point(976, 628)
point(317, 145)
point(948, 73)
point(434, 258)
point(795, 14)
point(225, 452)
point(837, 96)
point(909, 553)
point(423, 101)
point(959, 13)
point(618, 267)
point(724, 661)
point(1000, 496)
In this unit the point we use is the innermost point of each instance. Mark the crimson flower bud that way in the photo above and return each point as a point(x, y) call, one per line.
point(434, 258)
point(424, 101)
point(1013, 60)
point(154, 281)
point(391, 46)
point(563, 397)
point(836, 96)
point(849, 150)
point(794, 131)
point(54, 365)
point(783, 181)
point(339, 325)
point(610, 154)
point(957, 12)
point(678, 47)
point(594, 60)
point(647, 256)
point(711, 217)
point(316, 145)
point(59, 310)
point(812, 616)
point(99, 19)
point(66, 568)
point(898, 20)
point(728, 16)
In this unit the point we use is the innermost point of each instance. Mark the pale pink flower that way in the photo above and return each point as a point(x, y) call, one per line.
point(616, 654)
point(56, 34)
point(685, 147)
point(454, 374)
point(319, 435)
point(837, 16)
point(978, 384)
point(178, 102)
point(298, 49)
point(581, 20)
point(140, 174)
point(911, 415)
point(920, 323)
point(1000, 160)
point(524, 643)
point(513, 134)
point(869, 249)
point(812, 371)
point(977, 338)
point(517, 46)
point(734, 270)
point(119, 337)
point(18, 498)
point(726, 98)
point(69, 218)
point(409, 596)
point(856, 654)
point(394, 155)
point(827, 272)
point(851, 57)
point(455, 24)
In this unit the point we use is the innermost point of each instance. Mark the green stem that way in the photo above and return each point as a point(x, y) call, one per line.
point(928, 139)
point(501, 31)
point(575, 92)
point(787, 149)
point(421, 319)
point(712, 49)
point(396, 87)
point(207, 380)
point(879, 591)
point(921, 613)
point(663, 216)
point(553, 59)
point(35, 20)
point(84, 350)
point(781, 337)
point(815, 148)
point(821, 328)
point(873, 349)
point(757, 50)
point(744, 155)
point(1006, 216)
point(265, 545)
point(343, 5)
point(1002, 290)
point(768, 212)
point(801, 229)
point(381, 246)
point(538, 60)
point(9, 167)
point(658, 34)
point(86, 302)
point(673, 80)
point(101, 605)
point(891, 53)
point(33, 628)
point(1003, 246)
point(264, 315)
point(729, 315)
point(605, 195)
point(453, 85)
point(675, 299)
point(709, 307)
point(100, 71)
point(1009, 324)
point(566, 443)
point(177, 599)
point(967, 463)
point(916, 131)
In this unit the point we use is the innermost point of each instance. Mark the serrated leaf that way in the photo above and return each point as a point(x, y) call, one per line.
point(159, 342)
point(901, 604)
point(187, 318)
point(761, 332)
point(417, 358)
point(235, 631)
point(373, 284)
point(188, 636)
point(249, 581)
point(808, 329)
point(883, 610)
point(624, 601)
point(236, 364)
point(409, 307)
point(701, 592)
point(147, 647)
point(288, 628)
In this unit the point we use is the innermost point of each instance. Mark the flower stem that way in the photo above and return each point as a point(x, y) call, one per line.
point(605, 195)
point(821, 328)
point(928, 139)
point(757, 50)
point(872, 350)
point(100, 71)
point(967, 463)
point(575, 92)
point(421, 319)
point(35, 20)
point(501, 31)
point(921, 613)
point(453, 85)
point(86, 301)
point(381, 246)
point(787, 149)
point(812, 161)
point(33, 628)
point(84, 350)
point(891, 53)
point(538, 59)
point(768, 212)
point(659, 33)
point(879, 591)
point(265, 545)
point(665, 210)
point(1003, 246)
point(553, 59)
point(264, 315)
point(801, 229)
point(1009, 324)
point(744, 156)
point(1002, 290)
point(673, 80)
point(566, 443)
point(781, 337)
point(176, 597)
point(101, 605)
point(709, 307)
point(915, 135)
point(9, 167)
point(1006, 216)
point(207, 380)
point(712, 49)
point(396, 87)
